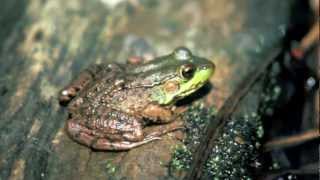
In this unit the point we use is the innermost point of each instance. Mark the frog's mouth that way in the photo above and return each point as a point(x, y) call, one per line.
point(186, 87)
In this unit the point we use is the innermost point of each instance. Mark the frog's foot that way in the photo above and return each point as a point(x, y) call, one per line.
point(160, 130)
point(74, 88)
point(105, 144)
point(79, 83)
point(66, 95)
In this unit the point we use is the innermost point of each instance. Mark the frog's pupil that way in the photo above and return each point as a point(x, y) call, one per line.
point(187, 71)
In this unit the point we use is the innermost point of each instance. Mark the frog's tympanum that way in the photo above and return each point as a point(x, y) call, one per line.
point(110, 104)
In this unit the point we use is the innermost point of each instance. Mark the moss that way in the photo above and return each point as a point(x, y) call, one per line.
point(272, 93)
point(196, 120)
point(181, 158)
point(236, 149)
point(110, 167)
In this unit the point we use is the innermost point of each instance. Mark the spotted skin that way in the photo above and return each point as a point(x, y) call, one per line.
point(112, 106)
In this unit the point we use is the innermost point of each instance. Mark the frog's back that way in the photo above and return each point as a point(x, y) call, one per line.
point(98, 92)
point(113, 89)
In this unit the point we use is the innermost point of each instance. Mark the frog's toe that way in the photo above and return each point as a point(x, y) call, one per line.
point(79, 133)
point(160, 130)
point(153, 136)
point(67, 94)
point(105, 144)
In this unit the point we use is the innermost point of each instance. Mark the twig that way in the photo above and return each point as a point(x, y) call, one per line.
point(305, 170)
point(317, 109)
point(293, 140)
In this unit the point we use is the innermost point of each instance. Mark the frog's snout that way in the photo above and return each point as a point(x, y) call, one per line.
point(208, 67)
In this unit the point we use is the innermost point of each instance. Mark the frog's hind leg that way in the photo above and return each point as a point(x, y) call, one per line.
point(87, 137)
point(86, 76)
point(80, 133)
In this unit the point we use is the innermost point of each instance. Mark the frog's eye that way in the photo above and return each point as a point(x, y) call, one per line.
point(187, 71)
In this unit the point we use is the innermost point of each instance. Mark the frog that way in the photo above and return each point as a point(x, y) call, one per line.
point(110, 106)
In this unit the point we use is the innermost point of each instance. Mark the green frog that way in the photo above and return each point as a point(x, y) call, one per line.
point(110, 105)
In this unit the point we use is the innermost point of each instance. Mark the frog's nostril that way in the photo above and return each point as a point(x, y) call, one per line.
point(203, 67)
point(206, 66)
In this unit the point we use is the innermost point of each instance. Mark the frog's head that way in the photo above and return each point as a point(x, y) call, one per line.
point(176, 75)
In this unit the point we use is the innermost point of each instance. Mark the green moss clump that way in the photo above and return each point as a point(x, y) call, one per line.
point(182, 157)
point(236, 149)
point(110, 168)
point(272, 92)
point(196, 120)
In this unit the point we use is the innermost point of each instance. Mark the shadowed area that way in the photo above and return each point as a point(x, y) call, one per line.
point(45, 44)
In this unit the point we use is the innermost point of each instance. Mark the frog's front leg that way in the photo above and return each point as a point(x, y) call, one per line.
point(79, 83)
point(158, 114)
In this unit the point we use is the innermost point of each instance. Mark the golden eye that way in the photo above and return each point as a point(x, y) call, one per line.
point(187, 71)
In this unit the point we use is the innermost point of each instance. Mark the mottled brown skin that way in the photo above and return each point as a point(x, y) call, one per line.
point(108, 111)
